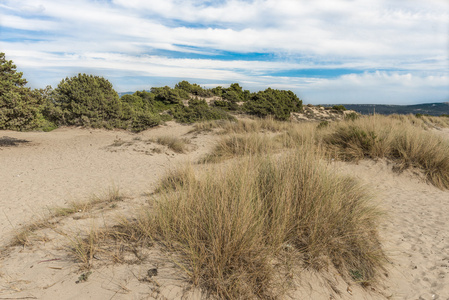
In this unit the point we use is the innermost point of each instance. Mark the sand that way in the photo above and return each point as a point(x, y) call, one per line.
point(71, 164)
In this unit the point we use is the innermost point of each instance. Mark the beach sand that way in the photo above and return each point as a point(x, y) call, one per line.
point(72, 164)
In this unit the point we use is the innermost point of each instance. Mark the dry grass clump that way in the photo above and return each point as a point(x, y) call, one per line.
point(231, 225)
point(299, 135)
point(26, 235)
point(84, 249)
point(239, 145)
point(426, 151)
point(120, 243)
point(363, 138)
point(423, 121)
point(112, 195)
point(176, 144)
point(395, 138)
point(256, 125)
point(176, 179)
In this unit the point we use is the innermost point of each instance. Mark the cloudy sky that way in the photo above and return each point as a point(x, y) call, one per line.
point(326, 51)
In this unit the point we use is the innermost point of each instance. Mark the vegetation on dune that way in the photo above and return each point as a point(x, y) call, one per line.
point(398, 140)
point(239, 228)
point(91, 101)
point(277, 103)
point(198, 110)
point(20, 107)
point(87, 100)
point(243, 229)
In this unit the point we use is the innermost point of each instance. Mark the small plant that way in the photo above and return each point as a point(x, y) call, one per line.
point(239, 145)
point(176, 179)
point(84, 249)
point(339, 107)
point(197, 111)
point(176, 144)
point(351, 116)
point(323, 124)
point(83, 277)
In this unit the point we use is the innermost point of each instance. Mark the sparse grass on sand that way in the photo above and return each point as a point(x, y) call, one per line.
point(176, 144)
point(243, 229)
point(26, 235)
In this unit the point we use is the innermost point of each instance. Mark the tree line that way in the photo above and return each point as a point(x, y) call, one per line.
point(91, 101)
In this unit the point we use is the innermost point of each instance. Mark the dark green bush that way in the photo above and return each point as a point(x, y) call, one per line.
point(20, 107)
point(277, 103)
point(168, 95)
point(197, 111)
point(87, 100)
point(226, 105)
point(339, 107)
point(193, 89)
point(91, 101)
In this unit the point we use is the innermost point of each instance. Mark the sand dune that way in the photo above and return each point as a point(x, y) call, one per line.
point(72, 164)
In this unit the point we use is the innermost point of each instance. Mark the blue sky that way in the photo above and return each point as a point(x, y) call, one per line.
point(326, 51)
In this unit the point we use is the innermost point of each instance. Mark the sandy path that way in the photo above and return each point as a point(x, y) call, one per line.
point(71, 164)
point(415, 231)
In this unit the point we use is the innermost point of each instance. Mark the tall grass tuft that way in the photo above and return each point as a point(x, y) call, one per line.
point(239, 145)
point(230, 225)
point(398, 138)
point(176, 144)
point(426, 151)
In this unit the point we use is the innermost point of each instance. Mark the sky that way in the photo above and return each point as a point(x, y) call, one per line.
point(325, 51)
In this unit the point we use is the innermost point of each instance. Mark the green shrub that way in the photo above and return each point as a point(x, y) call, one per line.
point(277, 103)
point(339, 107)
point(193, 89)
point(352, 116)
point(198, 110)
point(168, 95)
point(87, 100)
point(323, 124)
point(143, 120)
point(20, 107)
point(419, 115)
point(226, 105)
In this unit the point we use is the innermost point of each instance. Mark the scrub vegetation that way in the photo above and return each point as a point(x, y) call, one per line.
point(263, 205)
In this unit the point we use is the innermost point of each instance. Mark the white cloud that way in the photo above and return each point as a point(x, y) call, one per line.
point(403, 37)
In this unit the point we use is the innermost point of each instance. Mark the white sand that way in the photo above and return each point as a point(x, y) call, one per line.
point(71, 164)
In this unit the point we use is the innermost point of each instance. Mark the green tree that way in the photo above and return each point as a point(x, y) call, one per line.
point(19, 106)
point(193, 89)
point(277, 103)
point(87, 100)
point(168, 95)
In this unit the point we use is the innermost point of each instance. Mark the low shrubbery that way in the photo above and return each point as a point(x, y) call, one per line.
point(20, 107)
point(276, 103)
point(198, 110)
point(339, 107)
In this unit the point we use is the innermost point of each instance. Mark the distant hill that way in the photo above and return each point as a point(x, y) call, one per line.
point(433, 109)
point(125, 93)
